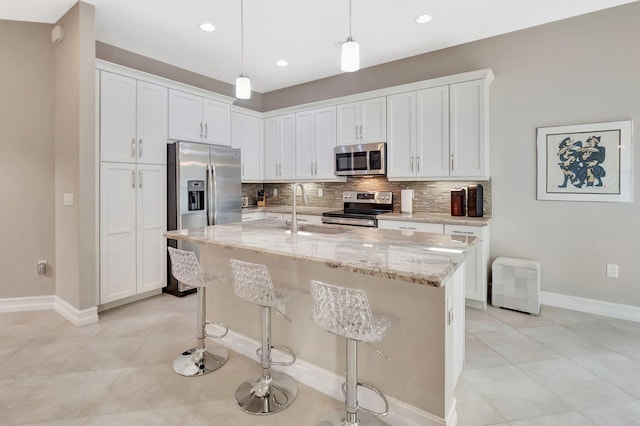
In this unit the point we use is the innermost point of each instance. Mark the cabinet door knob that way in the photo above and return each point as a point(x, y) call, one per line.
point(140, 148)
point(133, 147)
point(133, 179)
point(206, 130)
point(418, 163)
point(412, 164)
point(140, 181)
point(201, 129)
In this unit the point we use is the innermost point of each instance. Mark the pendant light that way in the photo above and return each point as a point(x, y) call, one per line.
point(243, 84)
point(350, 51)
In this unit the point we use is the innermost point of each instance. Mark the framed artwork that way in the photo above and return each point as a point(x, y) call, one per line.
point(585, 162)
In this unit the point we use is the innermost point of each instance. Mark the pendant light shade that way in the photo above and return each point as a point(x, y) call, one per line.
point(350, 56)
point(243, 87)
point(243, 84)
point(350, 51)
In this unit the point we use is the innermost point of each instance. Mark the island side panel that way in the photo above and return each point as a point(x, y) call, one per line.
point(416, 344)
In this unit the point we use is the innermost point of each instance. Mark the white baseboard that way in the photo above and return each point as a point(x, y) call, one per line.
point(43, 303)
point(32, 303)
point(329, 383)
point(77, 317)
point(591, 306)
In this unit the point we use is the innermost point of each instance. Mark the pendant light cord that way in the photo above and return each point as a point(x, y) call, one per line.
point(242, 33)
point(350, 35)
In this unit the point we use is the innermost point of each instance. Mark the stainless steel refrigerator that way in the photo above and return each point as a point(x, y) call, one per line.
point(203, 188)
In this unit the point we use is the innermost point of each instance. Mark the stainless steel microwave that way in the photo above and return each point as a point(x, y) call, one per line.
point(367, 159)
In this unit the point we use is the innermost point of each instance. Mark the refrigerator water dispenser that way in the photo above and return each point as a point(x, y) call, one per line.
point(196, 194)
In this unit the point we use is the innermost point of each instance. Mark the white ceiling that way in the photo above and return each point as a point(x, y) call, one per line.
point(303, 32)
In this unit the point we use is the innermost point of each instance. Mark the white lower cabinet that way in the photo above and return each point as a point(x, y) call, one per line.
point(132, 222)
point(475, 290)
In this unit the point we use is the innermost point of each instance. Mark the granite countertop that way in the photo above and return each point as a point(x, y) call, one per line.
point(397, 216)
point(415, 257)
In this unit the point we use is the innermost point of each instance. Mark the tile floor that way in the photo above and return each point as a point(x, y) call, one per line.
point(562, 368)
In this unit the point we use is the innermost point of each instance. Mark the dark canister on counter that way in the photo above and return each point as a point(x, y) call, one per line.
point(474, 201)
point(458, 197)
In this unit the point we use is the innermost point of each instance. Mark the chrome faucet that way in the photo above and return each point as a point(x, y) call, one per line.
point(294, 219)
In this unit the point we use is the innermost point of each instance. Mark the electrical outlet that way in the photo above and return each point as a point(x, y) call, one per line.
point(612, 270)
point(275, 192)
point(320, 192)
point(42, 267)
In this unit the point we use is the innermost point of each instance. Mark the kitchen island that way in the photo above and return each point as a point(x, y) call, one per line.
point(417, 277)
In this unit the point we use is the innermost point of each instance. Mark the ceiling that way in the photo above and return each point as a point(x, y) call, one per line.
point(303, 32)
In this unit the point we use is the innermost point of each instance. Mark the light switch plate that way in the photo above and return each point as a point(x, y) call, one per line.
point(67, 199)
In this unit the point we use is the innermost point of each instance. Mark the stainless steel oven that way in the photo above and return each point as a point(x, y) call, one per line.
point(360, 209)
point(369, 159)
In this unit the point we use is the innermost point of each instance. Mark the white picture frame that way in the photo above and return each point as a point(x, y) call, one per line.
point(585, 162)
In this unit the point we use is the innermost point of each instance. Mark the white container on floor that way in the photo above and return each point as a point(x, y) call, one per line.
point(516, 284)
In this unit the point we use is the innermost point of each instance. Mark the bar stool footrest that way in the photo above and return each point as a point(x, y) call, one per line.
point(375, 390)
point(281, 348)
point(217, 336)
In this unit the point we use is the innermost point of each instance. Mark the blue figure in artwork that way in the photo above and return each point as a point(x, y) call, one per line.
point(592, 155)
point(570, 163)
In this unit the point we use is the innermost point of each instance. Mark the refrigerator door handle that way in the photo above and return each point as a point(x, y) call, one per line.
point(213, 207)
point(210, 207)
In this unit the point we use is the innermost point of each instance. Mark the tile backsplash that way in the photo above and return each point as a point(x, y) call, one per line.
point(429, 197)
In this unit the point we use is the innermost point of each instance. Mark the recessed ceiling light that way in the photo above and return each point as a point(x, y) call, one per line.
point(423, 19)
point(282, 63)
point(208, 27)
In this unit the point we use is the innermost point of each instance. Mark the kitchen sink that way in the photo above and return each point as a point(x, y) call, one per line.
point(317, 229)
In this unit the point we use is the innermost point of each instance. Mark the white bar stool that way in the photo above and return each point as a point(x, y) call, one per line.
point(271, 391)
point(346, 312)
point(199, 360)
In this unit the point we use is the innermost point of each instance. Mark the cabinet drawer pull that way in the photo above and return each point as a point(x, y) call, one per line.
point(133, 147)
point(411, 163)
point(463, 232)
point(201, 130)
point(206, 130)
point(133, 179)
point(140, 181)
point(140, 148)
point(418, 163)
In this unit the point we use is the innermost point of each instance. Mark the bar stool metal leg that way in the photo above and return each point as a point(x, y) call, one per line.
point(271, 391)
point(353, 415)
point(200, 360)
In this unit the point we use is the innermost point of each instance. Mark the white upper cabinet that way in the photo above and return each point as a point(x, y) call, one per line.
point(401, 133)
point(432, 132)
point(152, 123)
point(315, 141)
point(246, 134)
point(133, 120)
point(439, 132)
point(197, 119)
point(469, 129)
point(216, 117)
point(280, 147)
point(362, 122)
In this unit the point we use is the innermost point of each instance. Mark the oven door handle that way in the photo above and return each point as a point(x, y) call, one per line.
point(371, 223)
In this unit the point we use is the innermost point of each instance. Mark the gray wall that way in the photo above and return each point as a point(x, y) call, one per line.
point(76, 158)
point(26, 158)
